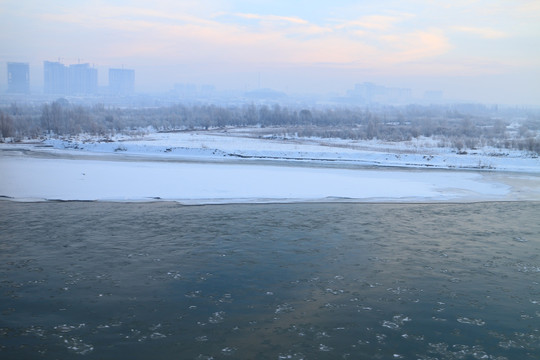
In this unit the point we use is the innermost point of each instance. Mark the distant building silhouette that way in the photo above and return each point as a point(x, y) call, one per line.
point(121, 81)
point(18, 77)
point(55, 78)
point(82, 79)
point(77, 79)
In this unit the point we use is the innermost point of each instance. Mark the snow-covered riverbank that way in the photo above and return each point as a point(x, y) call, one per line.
point(240, 166)
point(255, 145)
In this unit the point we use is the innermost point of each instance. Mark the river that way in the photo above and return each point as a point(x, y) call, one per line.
point(99, 280)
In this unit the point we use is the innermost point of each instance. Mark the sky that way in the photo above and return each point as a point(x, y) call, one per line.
point(478, 50)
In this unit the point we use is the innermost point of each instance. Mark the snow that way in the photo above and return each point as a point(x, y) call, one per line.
point(231, 167)
point(250, 143)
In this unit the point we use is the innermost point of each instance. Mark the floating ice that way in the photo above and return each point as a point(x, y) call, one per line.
point(204, 357)
point(397, 321)
point(325, 348)
point(32, 330)
point(228, 351)
point(335, 292)
point(216, 317)
point(193, 294)
point(295, 356)
point(174, 274)
point(78, 346)
point(322, 334)
point(465, 320)
point(390, 325)
point(284, 308)
point(67, 328)
point(528, 268)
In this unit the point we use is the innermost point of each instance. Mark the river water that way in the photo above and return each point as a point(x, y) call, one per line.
point(273, 281)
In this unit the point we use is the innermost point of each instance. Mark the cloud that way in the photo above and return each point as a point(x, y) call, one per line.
point(275, 40)
point(416, 45)
point(371, 22)
point(245, 40)
point(486, 33)
point(273, 18)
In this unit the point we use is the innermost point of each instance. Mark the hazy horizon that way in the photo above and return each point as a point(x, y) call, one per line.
point(482, 51)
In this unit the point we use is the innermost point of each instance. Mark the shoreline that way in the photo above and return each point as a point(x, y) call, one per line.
point(33, 175)
point(216, 167)
point(214, 202)
point(49, 152)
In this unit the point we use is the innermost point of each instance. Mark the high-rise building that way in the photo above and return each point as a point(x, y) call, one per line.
point(77, 79)
point(121, 81)
point(18, 78)
point(82, 79)
point(55, 78)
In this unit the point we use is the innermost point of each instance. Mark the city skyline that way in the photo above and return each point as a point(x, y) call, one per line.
point(81, 80)
point(73, 79)
point(483, 51)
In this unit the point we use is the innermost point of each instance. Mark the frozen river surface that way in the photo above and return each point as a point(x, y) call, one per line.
point(100, 280)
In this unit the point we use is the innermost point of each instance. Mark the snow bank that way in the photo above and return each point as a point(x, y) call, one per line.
point(222, 168)
point(420, 153)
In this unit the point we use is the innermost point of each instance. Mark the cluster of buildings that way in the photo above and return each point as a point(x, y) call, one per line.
point(75, 79)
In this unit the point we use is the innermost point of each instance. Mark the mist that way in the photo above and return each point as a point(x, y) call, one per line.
point(469, 52)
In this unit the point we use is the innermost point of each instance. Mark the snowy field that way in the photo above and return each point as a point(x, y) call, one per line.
point(248, 165)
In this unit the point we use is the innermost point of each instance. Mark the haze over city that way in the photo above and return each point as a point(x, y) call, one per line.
point(483, 51)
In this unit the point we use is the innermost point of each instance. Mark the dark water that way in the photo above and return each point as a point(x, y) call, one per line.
point(292, 281)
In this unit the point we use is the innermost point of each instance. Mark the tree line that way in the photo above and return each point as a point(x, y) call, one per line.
point(458, 126)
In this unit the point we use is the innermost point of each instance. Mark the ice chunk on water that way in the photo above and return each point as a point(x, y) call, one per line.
point(78, 346)
point(157, 335)
point(228, 351)
point(380, 338)
point(390, 325)
point(295, 356)
point(325, 348)
point(400, 318)
point(465, 320)
point(205, 357)
point(193, 294)
point(174, 274)
point(284, 308)
point(216, 317)
point(31, 330)
point(397, 321)
point(64, 328)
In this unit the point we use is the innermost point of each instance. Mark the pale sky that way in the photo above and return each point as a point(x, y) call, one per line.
point(478, 50)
